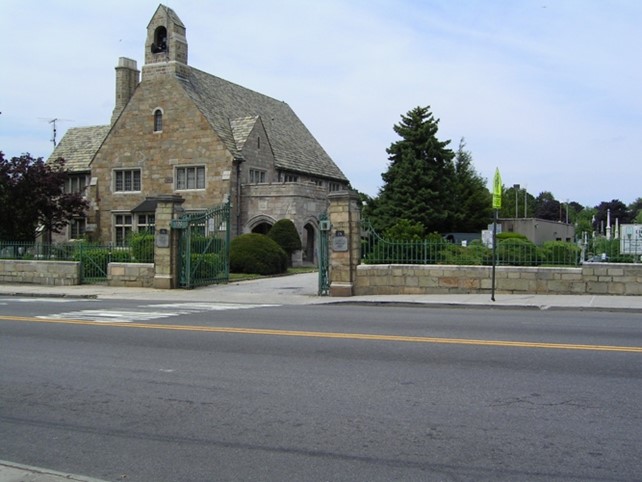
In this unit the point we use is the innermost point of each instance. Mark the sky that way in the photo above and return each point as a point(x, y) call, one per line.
point(548, 91)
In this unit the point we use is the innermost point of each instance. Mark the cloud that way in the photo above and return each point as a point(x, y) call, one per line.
point(549, 92)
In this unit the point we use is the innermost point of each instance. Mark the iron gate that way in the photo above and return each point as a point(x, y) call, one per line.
point(203, 247)
point(324, 255)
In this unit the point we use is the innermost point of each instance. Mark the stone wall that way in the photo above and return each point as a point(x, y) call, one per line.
point(593, 278)
point(348, 277)
point(52, 273)
point(186, 140)
point(131, 275)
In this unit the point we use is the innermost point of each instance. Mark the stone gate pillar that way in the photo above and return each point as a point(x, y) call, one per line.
point(345, 241)
point(166, 242)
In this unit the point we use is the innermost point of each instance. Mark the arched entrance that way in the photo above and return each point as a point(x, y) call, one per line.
point(261, 228)
point(310, 244)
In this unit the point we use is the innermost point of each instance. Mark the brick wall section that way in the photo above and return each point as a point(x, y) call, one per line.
point(597, 279)
point(52, 273)
point(131, 275)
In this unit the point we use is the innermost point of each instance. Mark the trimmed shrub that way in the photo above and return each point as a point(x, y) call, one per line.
point(510, 235)
point(255, 253)
point(284, 233)
point(96, 259)
point(142, 247)
point(206, 266)
point(515, 251)
point(206, 244)
point(561, 253)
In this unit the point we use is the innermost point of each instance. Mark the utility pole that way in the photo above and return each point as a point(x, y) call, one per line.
point(516, 188)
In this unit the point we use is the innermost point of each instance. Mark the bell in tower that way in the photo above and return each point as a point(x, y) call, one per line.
point(166, 43)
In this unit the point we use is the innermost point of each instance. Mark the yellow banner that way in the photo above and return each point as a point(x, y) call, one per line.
point(497, 190)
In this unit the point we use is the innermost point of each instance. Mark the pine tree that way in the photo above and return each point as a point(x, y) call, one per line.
point(419, 184)
point(473, 203)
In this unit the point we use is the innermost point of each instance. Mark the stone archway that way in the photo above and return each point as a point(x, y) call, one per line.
point(261, 228)
point(259, 224)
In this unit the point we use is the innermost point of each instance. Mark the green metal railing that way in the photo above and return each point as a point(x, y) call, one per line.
point(93, 258)
point(511, 251)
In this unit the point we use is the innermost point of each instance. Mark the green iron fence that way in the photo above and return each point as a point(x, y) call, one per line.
point(511, 251)
point(93, 258)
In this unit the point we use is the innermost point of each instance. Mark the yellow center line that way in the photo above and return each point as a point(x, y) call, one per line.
point(334, 335)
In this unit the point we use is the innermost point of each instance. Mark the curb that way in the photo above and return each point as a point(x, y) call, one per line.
point(12, 472)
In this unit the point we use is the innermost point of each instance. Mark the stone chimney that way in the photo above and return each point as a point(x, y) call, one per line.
point(127, 78)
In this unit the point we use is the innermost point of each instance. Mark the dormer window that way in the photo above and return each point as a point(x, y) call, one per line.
point(158, 120)
point(160, 40)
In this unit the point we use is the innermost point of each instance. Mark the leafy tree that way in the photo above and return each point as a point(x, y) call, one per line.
point(584, 221)
point(32, 195)
point(473, 202)
point(419, 183)
point(547, 207)
point(635, 211)
point(519, 198)
point(618, 210)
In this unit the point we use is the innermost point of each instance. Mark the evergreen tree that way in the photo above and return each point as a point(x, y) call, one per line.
point(473, 200)
point(419, 184)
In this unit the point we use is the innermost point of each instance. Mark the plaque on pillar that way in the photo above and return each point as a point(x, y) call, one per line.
point(340, 241)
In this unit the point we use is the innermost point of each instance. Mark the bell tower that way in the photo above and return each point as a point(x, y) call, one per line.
point(166, 45)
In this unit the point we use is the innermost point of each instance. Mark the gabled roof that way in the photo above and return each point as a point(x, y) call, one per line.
point(241, 129)
point(167, 12)
point(79, 145)
point(224, 103)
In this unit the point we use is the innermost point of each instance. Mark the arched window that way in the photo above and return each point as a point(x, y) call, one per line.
point(160, 40)
point(158, 120)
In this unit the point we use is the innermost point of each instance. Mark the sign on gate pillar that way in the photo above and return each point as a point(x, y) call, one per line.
point(345, 216)
point(165, 249)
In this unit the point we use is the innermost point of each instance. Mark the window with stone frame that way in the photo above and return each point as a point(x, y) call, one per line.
point(192, 177)
point(257, 176)
point(146, 223)
point(76, 183)
point(158, 120)
point(291, 178)
point(122, 228)
point(77, 228)
point(334, 186)
point(127, 180)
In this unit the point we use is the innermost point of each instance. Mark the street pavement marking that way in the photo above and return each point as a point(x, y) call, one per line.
point(131, 316)
point(344, 336)
point(199, 307)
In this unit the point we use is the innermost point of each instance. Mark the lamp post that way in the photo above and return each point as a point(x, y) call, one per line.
point(516, 188)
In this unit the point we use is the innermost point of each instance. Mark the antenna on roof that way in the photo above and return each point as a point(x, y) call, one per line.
point(53, 125)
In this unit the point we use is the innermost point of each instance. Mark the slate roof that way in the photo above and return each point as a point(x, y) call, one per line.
point(79, 146)
point(241, 129)
point(227, 107)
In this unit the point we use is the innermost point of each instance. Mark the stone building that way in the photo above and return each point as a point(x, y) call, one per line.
point(181, 131)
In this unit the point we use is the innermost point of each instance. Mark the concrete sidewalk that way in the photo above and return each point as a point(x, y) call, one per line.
point(10, 472)
point(302, 289)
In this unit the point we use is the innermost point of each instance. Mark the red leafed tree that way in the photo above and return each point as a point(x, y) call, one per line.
point(32, 195)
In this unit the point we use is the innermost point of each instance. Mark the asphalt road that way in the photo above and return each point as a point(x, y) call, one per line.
point(151, 391)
